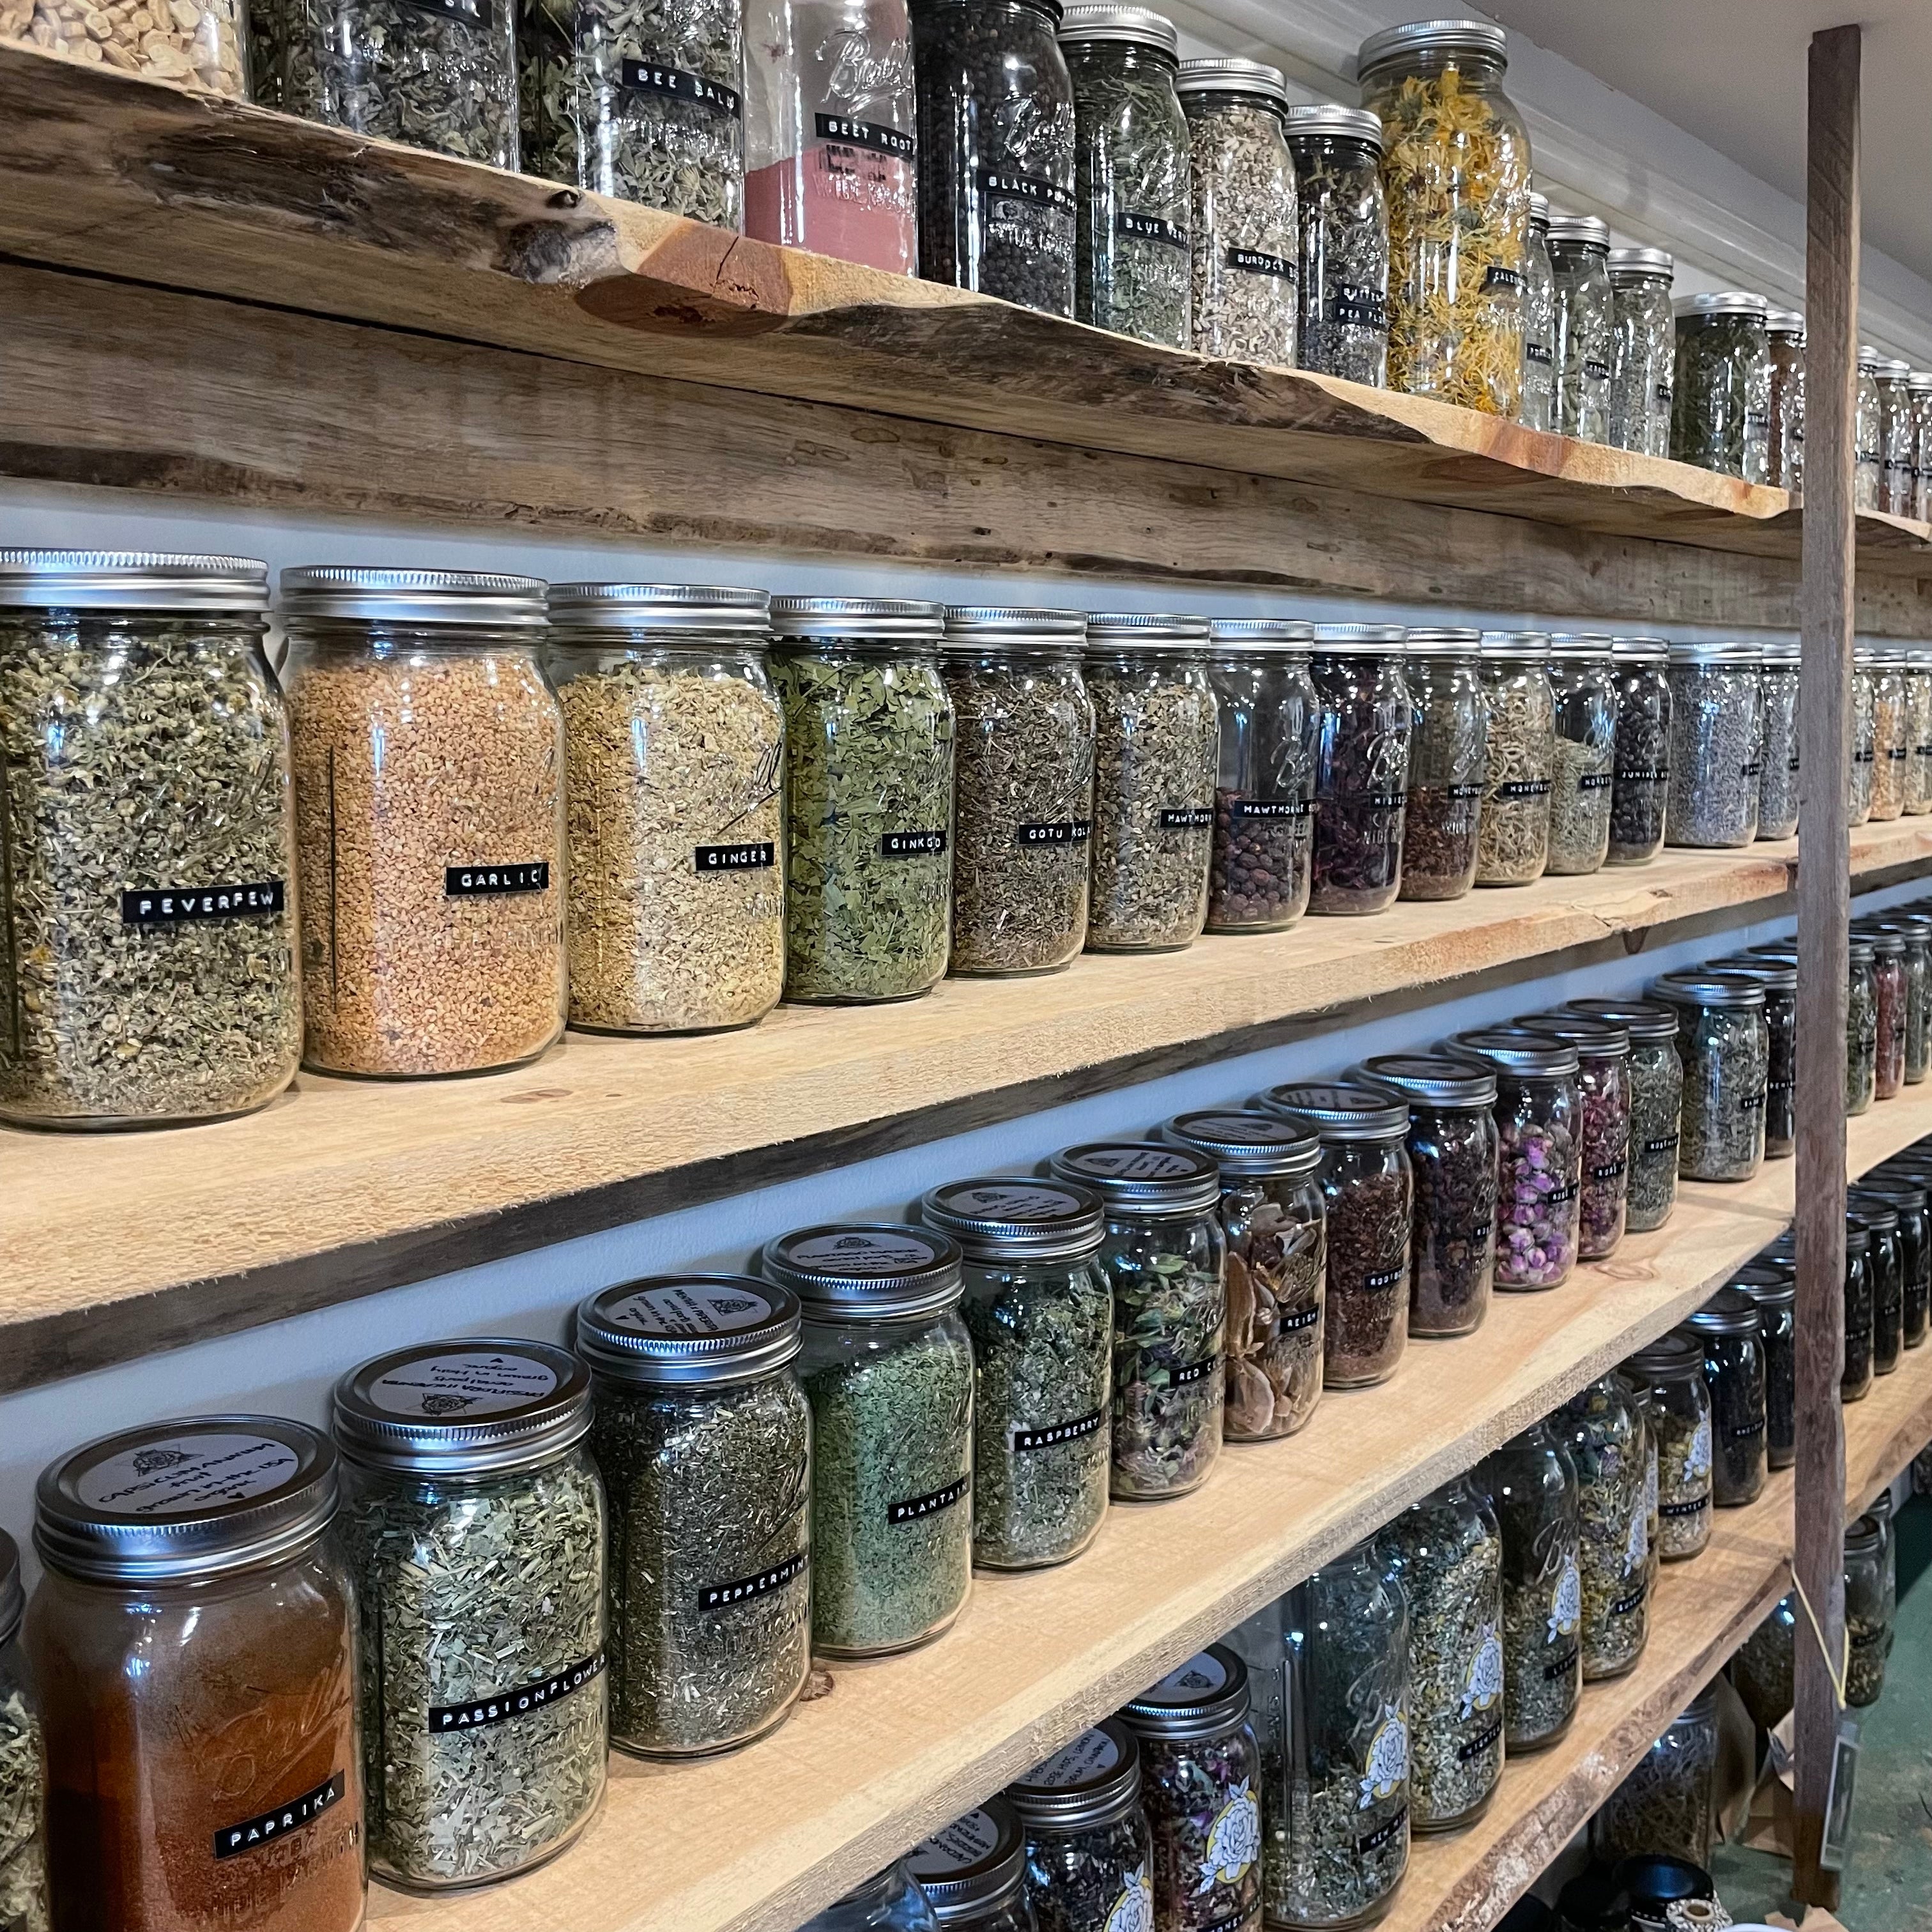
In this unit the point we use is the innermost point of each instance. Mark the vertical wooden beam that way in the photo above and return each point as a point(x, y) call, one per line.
point(1824, 896)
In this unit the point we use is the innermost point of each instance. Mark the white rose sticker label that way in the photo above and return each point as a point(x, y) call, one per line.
point(1566, 1605)
point(1133, 1910)
point(1484, 1683)
point(1233, 1840)
point(1387, 1770)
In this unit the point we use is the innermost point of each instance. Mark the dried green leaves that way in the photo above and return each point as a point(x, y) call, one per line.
point(23, 1879)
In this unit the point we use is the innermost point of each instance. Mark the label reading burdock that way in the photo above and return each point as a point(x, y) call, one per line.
point(931, 1504)
point(911, 844)
point(1056, 1433)
point(500, 1706)
point(185, 1475)
point(465, 882)
point(851, 133)
point(647, 77)
point(717, 1596)
point(232, 1840)
point(1259, 262)
point(1130, 226)
point(1061, 831)
point(482, 1382)
point(176, 905)
point(690, 1308)
point(1186, 818)
point(754, 855)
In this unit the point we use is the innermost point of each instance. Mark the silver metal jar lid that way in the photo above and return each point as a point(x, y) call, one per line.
point(1144, 1180)
point(1905, 1190)
point(1887, 942)
point(974, 1866)
point(1385, 639)
point(186, 1498)
point(1776, 976)
point(1207, 1695)
point(1431, 1080)
point(711, 610)
point(1431, 37)
point(1328, 119)
point(1857, 1239)
point(1672, 1357)
point(13, 1597)
point(1880, 1216)
point(1093, 1781)
point(1234, 635)
point(1727, 651)
point(1583, 231)
point(1781, 653)
point(1784, 322)
point(1891, 369)
point(1858, 952)
point(1230, 74)
point(882, 620)
point(1515, 1049)
point(1017, 1217)
point(1440, 643)
point(975, 629)
point(1530, 646)
point(1639, 650)
point(1709, 989)
point(1111, 632)
point(1137, 26)
point(1865, 1538)
point(1342, 1110)
point(130, 580)
point(1638, 264)
point(373, 595)
point(1243, 1142)
point(1730, 1311)
point(865, 1271)
point(1714, 302)
point(462, 1407)
point(1868, 359)
point(1593, 1037)
point(689, 1328)
point(1919, 381)
point(1768, 1284)
point(1581, 644)
point(1638, 1017)
point(1539, 212)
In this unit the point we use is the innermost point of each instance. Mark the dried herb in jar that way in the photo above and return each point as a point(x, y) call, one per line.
point(1361, 767)
point(1762, 1670)
point(198, 47)
point(1603, 1430)
point(1089, 1853)
point(1448, 764)
point(1343, 217)
point(1370, 1222)
point(1662, 1808)
point(1513, 838)
point(1656, 1104)
point(1729, 1331)
point(1725, 1045)
point(1640, 790)
point(1677, 1413)
point(23, 1782)
point(1536, 1244)
point(1604, 1130)
point(1716, 745)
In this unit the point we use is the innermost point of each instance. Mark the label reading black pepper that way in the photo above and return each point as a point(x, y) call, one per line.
point(850, 134)
point(716, 1596)
point(233, 1839)
point(914, 1507)
point(647, 77)
point(1130, 226)
point(1062, 832)
point(1186, 818)
point(1259, 262)
point(467, 882)
point(911, 844)
point(753, 857)
point(1002, 184)
point(500, 1706)
point(1026, 1439)
point(174, 905)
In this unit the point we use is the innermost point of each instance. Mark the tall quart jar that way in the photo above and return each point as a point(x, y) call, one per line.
point(1022, 788)
point(1761, 1669)
point(1861, 1026)
point(1041, 1316)
point(673, 750)
point(1603, 1427)
point(1730, 1330)
point(1361, 766)
point(1856, 1383)
point(429, 765)
point(1640, 784)
point(869, 738)
point(1860, 777)
point(1889, 985)
point(1457, 167)
point(23, 1835)
point(1132, 272)
point(1678, 1413)
point(1918, 929)
point(1343, 215)
point(1725, 1045)
point(1919, 382)
point(1891, 733)
point(1447, 763)
point(1088, 1850)
point(1603, 1135)
point(1868, 1613)
point(1663, 1807)
point(1643, 373)
point(1880, 1219)
point(1918, 719)
point(1898, 453)
point(192, 1639)
point(1716, 750)
point(1657, 1104)
point(1582, 675)
point(1868, 434)
point(1263, 793)
point(1537, 409)
point(1784, 462)
point(1777, 706)
point(1779, 979)
point(1585, 343)
point(973, 1872)
point(147, 941)
point(1773, 1289)
point(1513, 838)
point(1909, 1197)
point(482, 1679)
point(1720, 414)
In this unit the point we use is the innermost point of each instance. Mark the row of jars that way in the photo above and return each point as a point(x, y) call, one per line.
point(1891, 771)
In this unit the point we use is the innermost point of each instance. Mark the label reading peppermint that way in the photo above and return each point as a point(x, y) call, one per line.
point(1537, 352)
point(1594, 782)
point(500, 1706)
point(754, 856)
point(177, 905)
point(470, 882)
point(1027, 1439)
point(232, 1840)
point(1259, 262)
point(1061, 832)
point(1186, 818)
point(850, 134)
point(717, 1596)
point(999, 184)
point(1512, 790)
point(911, 844)
point(914, 1507)
point(647, 77)
point(1355, 305)
point(1130, 226)
point(1193, 1372)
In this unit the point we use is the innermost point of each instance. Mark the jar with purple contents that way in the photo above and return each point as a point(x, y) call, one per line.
point(1887, 946)
point(1604, 1088)
point(1361, 766)
point(1779, 980)
point(1657, 1105)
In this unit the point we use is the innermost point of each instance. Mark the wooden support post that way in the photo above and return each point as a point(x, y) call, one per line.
point(1824, 905)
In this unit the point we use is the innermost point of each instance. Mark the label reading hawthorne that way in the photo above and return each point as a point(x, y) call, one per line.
point(1130, 226)
point(466, 882)
point(1061, 831)
point(1259, 262)
point(1186, 818)
point(232, 1840)
point(176, 905)
point(1355, 305)
point(851, 133)
point(1513, 789)
point(911, 844)
point(1269, 807)
point(1027, 1439)
point(914, 1507)
point(647, 77)
point(717, 1596)
point(1001, 184)
point(478, 1381)
point(754, 856)
point(500, 1706)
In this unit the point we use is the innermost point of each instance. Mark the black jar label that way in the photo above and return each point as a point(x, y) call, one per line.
point(1557, 1196)
point(755, 856)
point(1643, 775)
point(1891, 752)
point(1779, 1086)
point(997, 185)
point(1608, 1170)
point(1373, 1841)
point(1752, 767)
point(470, 882)
point(1480, 1742)
point(1746, 1431)
point(911, 844)
point(1186, 818)
point(850, 134)
point(719, 1596)
point(1594, 782)
point(1269, 807)
point(500, 1706)
point(1864, 1638)
point(1597, 371)
point(1751, 1103)
point(1663, 393)
point(1131, 226)
point(178, 905)
point(1500, 278)
point(1461, 792)
point(1561, 1664)
point(1538, 353)
point(232, 1840)
point(471, 12)
point(914, 1507)
point(1026, 1440)
point(1383, 1278)
point(1061, 831)
point(1696, 1506)
point(1660, 1144)
point(1191, 1372)
point(1623, 1607)
point(1356, 305)
point(1259, 262)
point(648, 77)
point(1304, 1317)
point(1513, 791)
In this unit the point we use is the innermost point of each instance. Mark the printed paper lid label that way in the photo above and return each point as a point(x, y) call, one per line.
point(482, 1383)
point(690, 1308)
point(187, 1475)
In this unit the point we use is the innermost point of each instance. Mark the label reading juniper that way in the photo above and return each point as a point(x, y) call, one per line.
point(716, 1596)
point(233, 1839)
point(911, 844)
point(754, 856)
point(866, 134)
point(500, 1706)
point(914, 1507)
point(1025, 1439)
point(1129, 226)
point(464, 882)
point(168, 905)
point(647, 77)
point(1063, 832)
point(1259, 262)
point(1186, 818)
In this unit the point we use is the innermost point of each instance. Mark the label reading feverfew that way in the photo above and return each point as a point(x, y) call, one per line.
point(911, 844)
point(1259, 262)
point(1186, 818)
point(647, 77)
point(754, 856)
point(232, 1840)
point(914, 1507)
point(1130, 226)
point(1027, 1439)
point(1061, 831)
point(466, 882)
point(852, 133)
point(716, 1596)
point(175, 905)
point(500, 1706)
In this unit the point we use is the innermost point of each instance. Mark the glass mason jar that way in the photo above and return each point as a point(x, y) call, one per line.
point(473, 1522)
point(1717, 749)
point(1891, 733)
point(887, 1367)
point(1361, 766)
point(1453, 1150)
point(1640, 778)
point(1041, 1316)
point(1583, 675)
point(1880, 1219)
point(869, 741)
point(1890, 984)
point(1200, 1781)
point(1456, 168)
point(1022, 788)
point(1898, 453)
point(1603, 1427)
point(673, 756)
point(1604, 1131)
point(1446, 1552)
point(1275, 1224)
point(1330, 1663)
point(147, 941)
point(1729, 1330)
point(1773, 1288)
point(1881, 1513)
point(1918, 709)
point(1720, 414)
point(1643, 364)
point(998, 211)
point(1263, 794)
point(1678, 1413)
point(1867, 1614)
point(1244, 219)
point(1513, 839)
point(1089, 1853)
point(1132, 271)
point(973, 1872)
point(1859, 1338)
point(1860, 777)
point(1369, 1187)
point(23, 1833)
point(888, 1901)
point(831, 159)
point(1156, 753)
point(1779, 979)
point(1908, 1196)
point(1761, 1672)
point(1777, 706)
point(1538, 1110)
point(1784, 459)
point(704, 1440)
point(1536, 408)
point(1531, 1484)
point(1663, 1807)
point(1344, 257)
point(1657, 1105)
point(1585, 345)
point(1919, 382)
point(1165, 1259)
point(1868, 434)
point(193, 1639)
point(1861, 1026)
point(1447, 763)
point(1725, 1045)
point(429, 768)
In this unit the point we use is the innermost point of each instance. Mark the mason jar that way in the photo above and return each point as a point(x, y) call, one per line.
point(1343, 215)
point(1730, 1331)
point(1779, 979)
point(1022, 788)
point(1868, 1612)
point(1584, 347)
point(1656, 1106)
point(1132, 271)
point(1165, 1258)
point(1784, 458)
point(1583, 676)
point(1263, 793)
point(1640, 778)
point(1602, 1428)
point(1513, 839)
point(148, 974)
point(1664, 1808)
point(887, 1367)
point(1643, 371)
point(1762, 1670)
point(1725, 1045)
point(1773, 1288)
point(192, 1639)
point(1721, 413)
point(23, 1835)
point(1041, 1316)
point(1860, 777)
point(1898, 453)
point(1856, 1383)
point(482, 1680)
point(1717, 751)
point(1892, 996)
point(1907, 1193)
point(869, 741)
point(429, 768)
point(1448, 762)
point(1919, 707)
point(1861, 1026)
point(889, 1901)
point(1868, 434)
point(1537, 409)
point(1777, 706)
point(1880, 1219)
point(1919, 382)
point(1089, 1852)
point(1275, 1221)
point(1603, 1129)
point(1457, 169)
point(1361, 766)
point(1891, 733)
point(973, 1872)
point(1670, 1370)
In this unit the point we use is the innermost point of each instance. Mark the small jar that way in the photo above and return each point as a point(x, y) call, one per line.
point(1867, 1614)
point(192, 1639)
point(1201, 1779)
point(23, 1833)
point(1447, 763)
point(1453, 1146)
point(1603, 1132)
point(1342, 215)
point(1861, 1026)
point(1860, 777)
point(1725, 1045)
point(1369, 1187)
point(1880, 1219)
point(1041, 1316)
point(887, 1367)
point(1513, 839)
point(1761, 1672)
point(482, 1680)
point(1731, 1333)
point(869, 738)
point(1089, 1853)
point(1663, 1807)
point(888, 1901)
point(1537, 408)
point(1156, 760)
point(1868, 434)
point(1165, 1259)
point(973, 1872)
point(1897, 438)
point(1918, 706)
point(1361, 766)
point(1908, 1196)
point(1919, 382)
point(148, 974)
point(1720, 414)
point(1717, 759)
point(1585, 342)
point(1677, 1414)
point(1773, 1288)
point(1583, 676)
point(1891, 997)
point(1643, 372)
point(1531, 1484)
point(1263, 793)
point(1779, 979)
point(1657, 1105)
point(1784, 457)
point(1891, 733)
point(1022, 788)
point(1275, 1221)
point(1603, 1427)
point(1778, 706)
point(1640, 783)
point(1855, 1383)
point(429, 767)
point(997, 208)
point(1244, 221)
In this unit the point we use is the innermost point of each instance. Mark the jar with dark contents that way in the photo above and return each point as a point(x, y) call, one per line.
point(1856, 1383)
point(1657, 1105)
point(1452, 1145)
point(1643, 367)
point(973, 1872)
point(1343, 217)
point(1889, 983)
point(23, 1847)
point(1920, 384)
point(1603, 1427)
point(1777, 707)
point(1721, 413)
point(1880, 1219)
point(1089, 1855)
point(1361, 766)
point(1784, 458)
point(1677, 1411)
point(1275, 1222)
point(1861, 1026)
point(1729, 1331)
point(1908, 1194)
point(1368, 1186)
point(1513, 841)
point(1775, 1289)
point(1447, 763)
point(1640, 782)
point(1762, 1670)
point(1780, 982)
point(1603, 1089)
point(1581, 675)
point(1867, 1613)
point(1264, 791)
point(1725, 1045)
